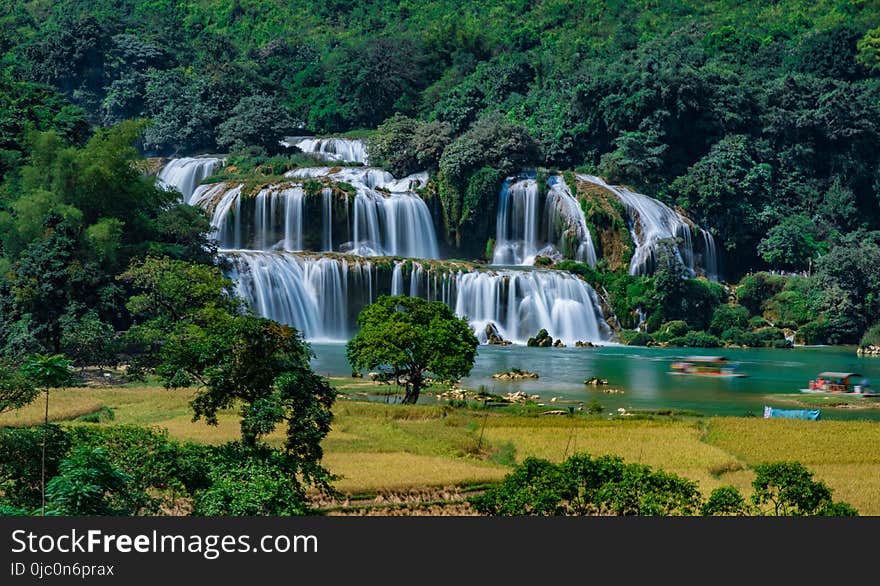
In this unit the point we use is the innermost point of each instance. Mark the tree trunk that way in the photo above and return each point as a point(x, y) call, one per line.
point(412, 390)
point(43, 462)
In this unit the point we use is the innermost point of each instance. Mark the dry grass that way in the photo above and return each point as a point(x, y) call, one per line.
point(376, 446)
point(843, 454)
point(674, 446)
point(367, 472)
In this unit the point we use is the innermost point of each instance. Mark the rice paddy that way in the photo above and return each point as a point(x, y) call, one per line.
point(375, 447)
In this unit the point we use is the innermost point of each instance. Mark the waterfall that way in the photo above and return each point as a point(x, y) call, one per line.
point(520, 303)
point(313, 294)
point(566, 225)
point(519, 236)
point(321, 295)
point(652, 221)
point(517, 223)
point(332, 149)
point(185, 174)
point(271, 220)
point(389, 217)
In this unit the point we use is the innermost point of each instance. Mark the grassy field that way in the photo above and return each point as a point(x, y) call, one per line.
point(379, 448)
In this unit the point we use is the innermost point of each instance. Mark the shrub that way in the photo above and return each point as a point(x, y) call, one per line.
point(726, 317)
point(814, 332)
point(871, 337)
point(583, 485)
point(633, 338)
point(725, 500)
point(671, 329)
point(696, 340)
point(735, 336)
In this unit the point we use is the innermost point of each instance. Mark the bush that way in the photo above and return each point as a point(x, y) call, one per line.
point(726, 317)
point(583, 485)
point(871, 337)
point(753, 291)
point(633, 338)
point(671, 329)
point(758, 322)
point(735, 336)
point(696, 340)
point(725, 500)
point(814, 332)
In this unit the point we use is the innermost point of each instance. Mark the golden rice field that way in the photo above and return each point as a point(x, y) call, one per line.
point(376, 447)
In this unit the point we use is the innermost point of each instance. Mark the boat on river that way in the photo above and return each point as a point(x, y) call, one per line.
point(843, 383)
point(714, 366)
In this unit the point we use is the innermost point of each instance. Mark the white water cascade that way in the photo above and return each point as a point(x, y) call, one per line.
point(517, 223)
point(360, 212)
point(524, 231)
point(185, 174)
point(332, 149)
point(652, 221)
point(566, 225)
point(384, 217)
point(321, 295)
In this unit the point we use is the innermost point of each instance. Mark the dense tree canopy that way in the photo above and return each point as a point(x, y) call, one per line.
point(405, 340)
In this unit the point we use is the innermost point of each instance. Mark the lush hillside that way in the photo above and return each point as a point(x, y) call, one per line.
point(759, 121)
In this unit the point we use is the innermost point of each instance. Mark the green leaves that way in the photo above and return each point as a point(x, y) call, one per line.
point(405, 339)
point(16, 390)
point(583, 485)
point(49, 371)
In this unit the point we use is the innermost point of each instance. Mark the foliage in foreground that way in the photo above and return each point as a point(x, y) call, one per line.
point(606, 485)
point(133, 470)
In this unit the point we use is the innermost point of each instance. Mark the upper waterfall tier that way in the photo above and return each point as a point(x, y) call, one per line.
point(527, 229)
point(185, 174)
point(322, 295)
point(383, 215)
point(332, 149)
point(651, 221)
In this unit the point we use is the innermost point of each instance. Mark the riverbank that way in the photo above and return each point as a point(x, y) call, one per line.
point(641, 378)
point(408, 457)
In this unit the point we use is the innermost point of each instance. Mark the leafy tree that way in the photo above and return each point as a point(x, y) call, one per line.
point(195, 334)
point(725, 500)
point(788, 488)
point(88, 484)
point(49, 372)
point(16, 390)
point(726, 190)
point(88, 341)
point(790, 244)
point(869, 49)
point(635, 159)
point(258, 120)
point(407, 339)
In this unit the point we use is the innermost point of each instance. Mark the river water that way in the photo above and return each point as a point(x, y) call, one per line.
point(774, 376)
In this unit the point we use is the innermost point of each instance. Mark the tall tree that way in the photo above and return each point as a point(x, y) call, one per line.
point(406, 339)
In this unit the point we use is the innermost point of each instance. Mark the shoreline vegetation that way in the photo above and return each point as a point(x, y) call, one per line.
point(430, 459)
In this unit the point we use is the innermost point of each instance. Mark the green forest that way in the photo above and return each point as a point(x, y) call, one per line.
point(758, 121)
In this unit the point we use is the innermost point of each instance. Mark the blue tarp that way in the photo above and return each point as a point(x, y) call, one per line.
point(810, 414)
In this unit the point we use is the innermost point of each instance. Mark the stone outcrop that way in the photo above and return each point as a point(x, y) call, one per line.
point(514, 374)
point(869, 351)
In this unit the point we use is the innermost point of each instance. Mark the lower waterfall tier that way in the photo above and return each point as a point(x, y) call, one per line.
point(321, 295)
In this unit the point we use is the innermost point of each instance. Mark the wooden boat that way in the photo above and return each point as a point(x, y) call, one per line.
point(715, 366)
point(842, 383)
